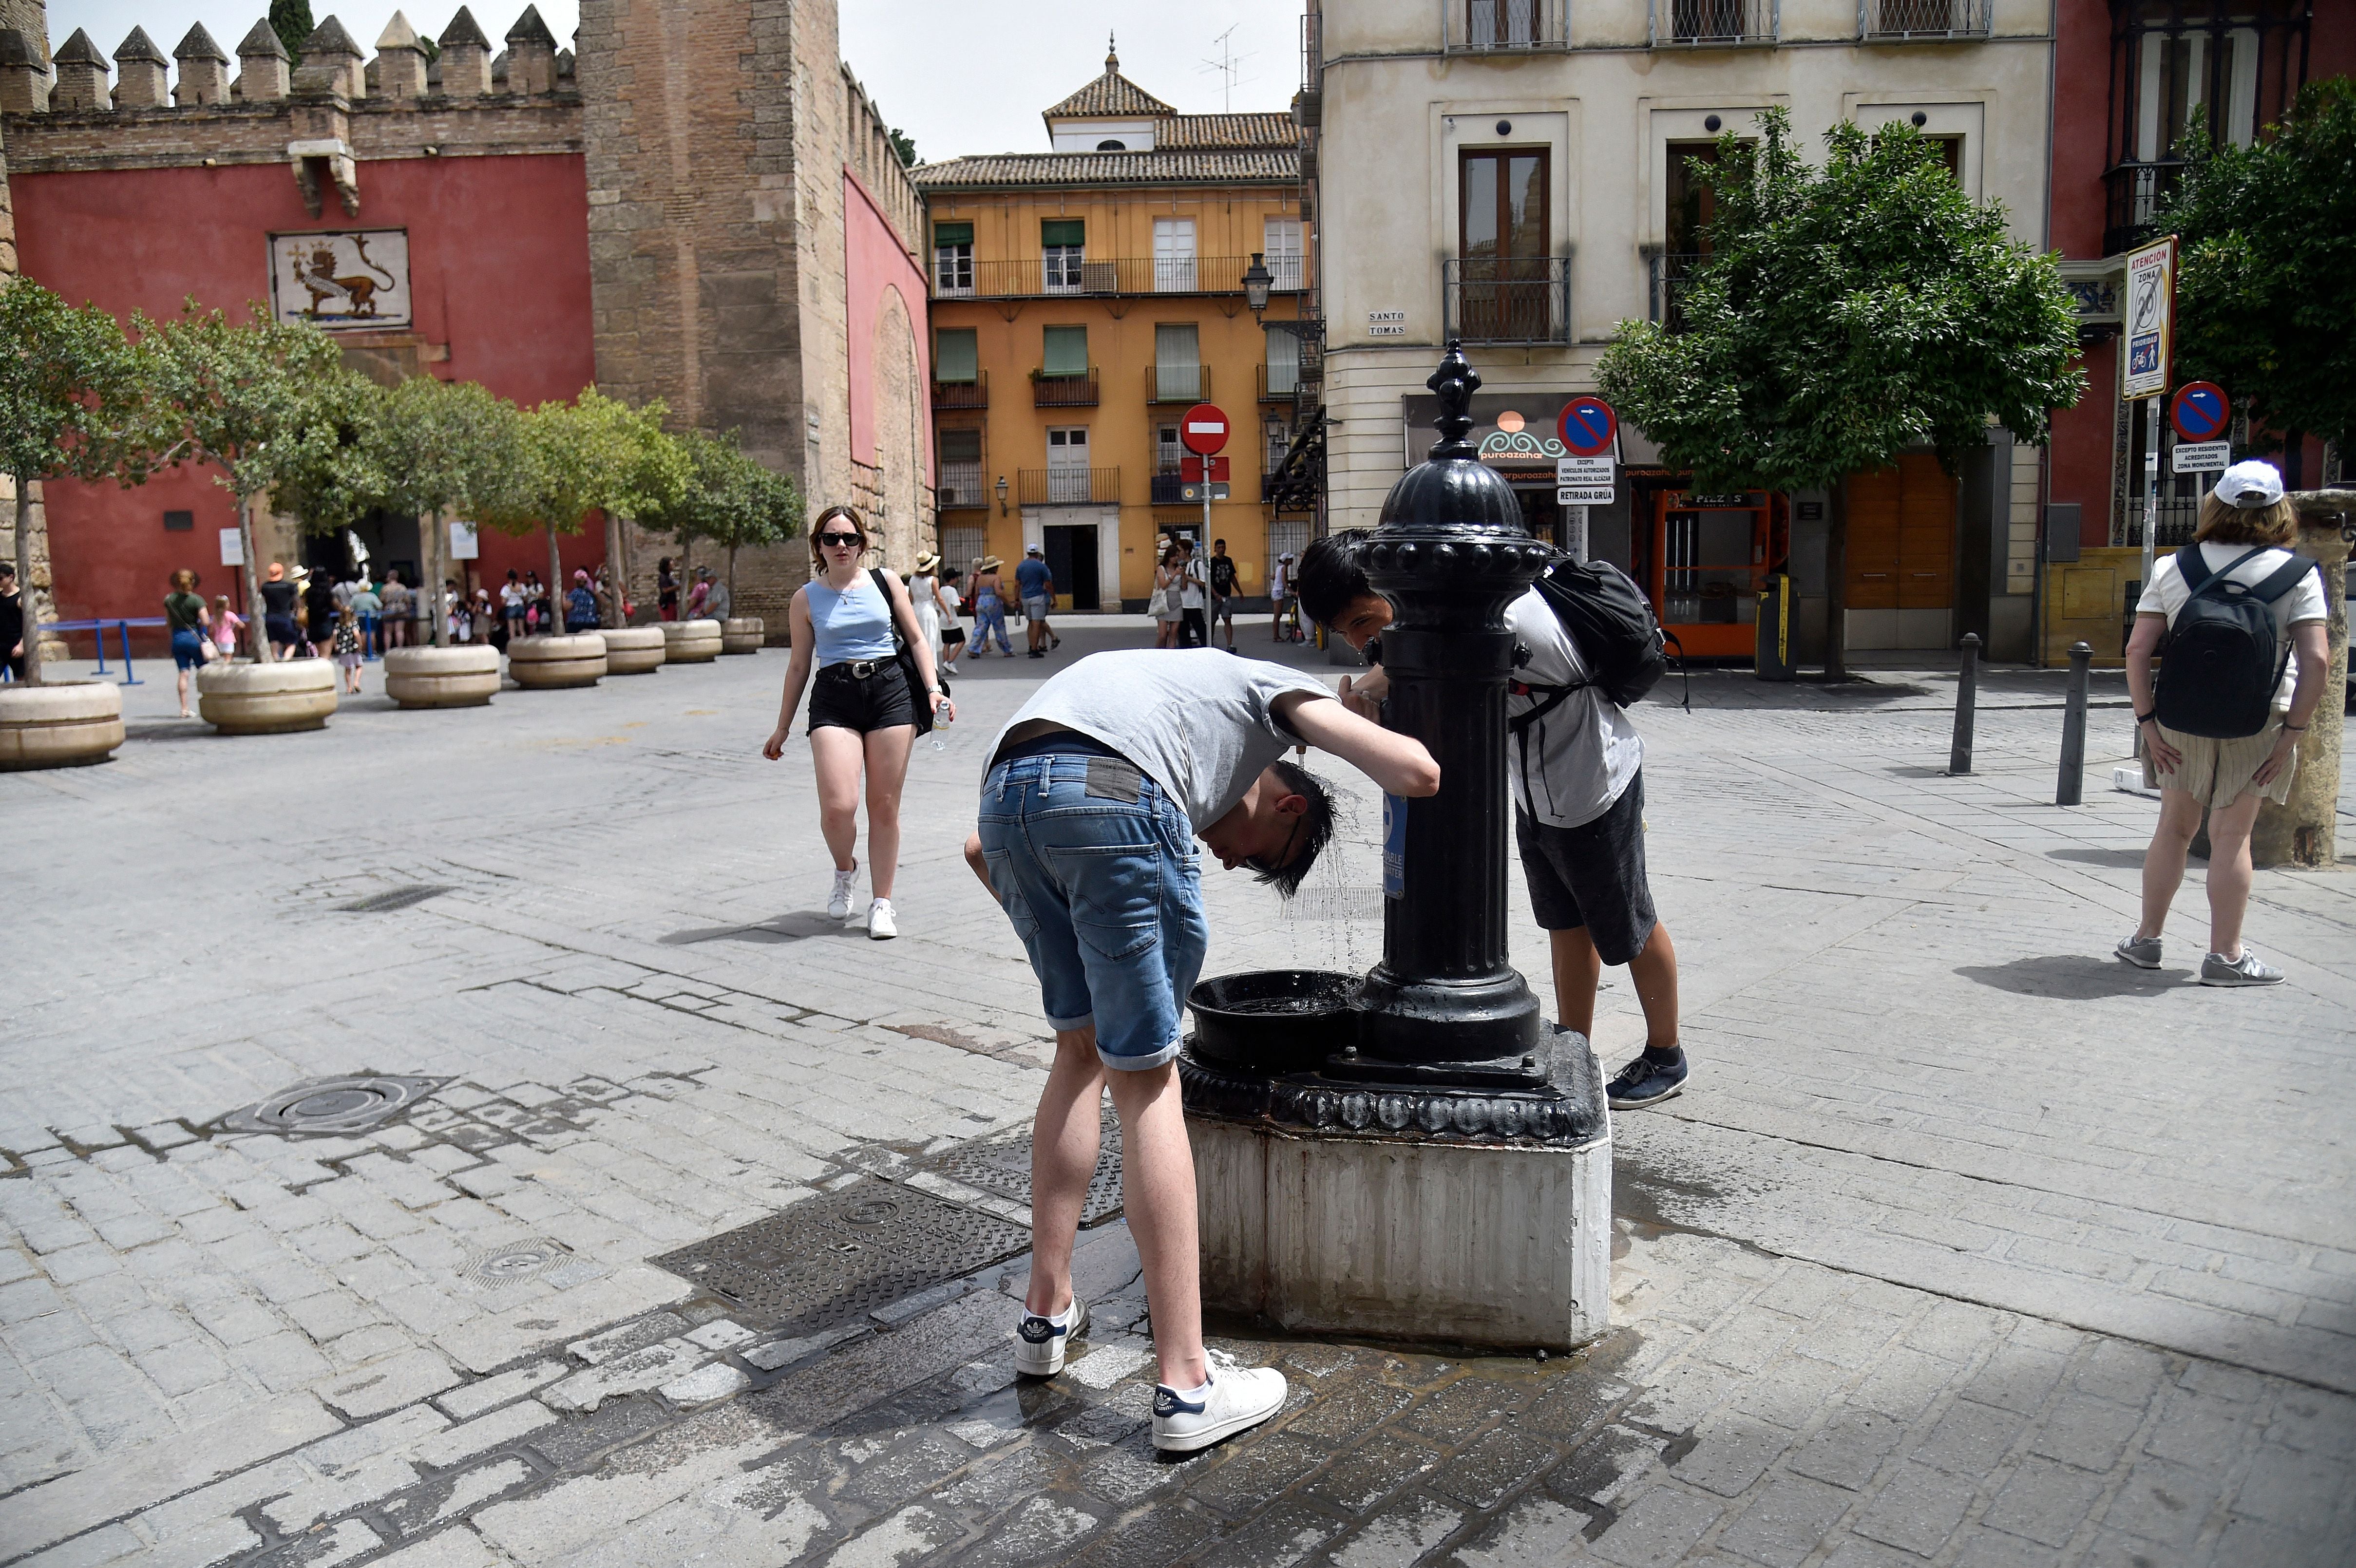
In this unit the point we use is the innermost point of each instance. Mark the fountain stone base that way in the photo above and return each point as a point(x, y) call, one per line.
point(1477, 1216)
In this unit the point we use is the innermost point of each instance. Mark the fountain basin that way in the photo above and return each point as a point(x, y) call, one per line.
point(1274, 1020)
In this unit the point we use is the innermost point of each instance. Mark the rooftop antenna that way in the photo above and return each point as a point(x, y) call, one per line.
point(1229, 65)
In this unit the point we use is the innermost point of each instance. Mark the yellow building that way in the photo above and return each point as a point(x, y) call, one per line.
point(1083, 299)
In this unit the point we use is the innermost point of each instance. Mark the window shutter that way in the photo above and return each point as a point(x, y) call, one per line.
point(952, 233)
point(1064, 232)
point(957, 356)
point(1066, 351)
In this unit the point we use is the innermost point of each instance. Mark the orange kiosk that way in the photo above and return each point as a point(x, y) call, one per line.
point(1710, 557)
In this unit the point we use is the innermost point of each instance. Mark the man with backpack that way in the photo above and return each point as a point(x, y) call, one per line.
point(2229, 613)
point(1223, 590)
point(1578, 791)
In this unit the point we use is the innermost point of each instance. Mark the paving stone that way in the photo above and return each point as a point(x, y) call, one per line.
point(1371, 1471)
point(1917, 1510)
point(716, 1381)
point(1277, 1538)
point(1783, 1522)
point(902, 1538)
point(1848, 1449)
point(1535, 1532)
point(632, 1371)
point(1251, 1475)
point(1969, 1439)
point(1483, 1473)
point(1659, 1526)
point(1399, 1535)
point(471, 1400)
point(1042, 1529)
point(1730, 1453)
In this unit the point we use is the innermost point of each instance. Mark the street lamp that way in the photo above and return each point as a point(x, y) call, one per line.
point(1002, 494)
point(1256, 280)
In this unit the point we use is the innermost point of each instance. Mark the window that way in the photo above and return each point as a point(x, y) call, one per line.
point(1284, 364)
point(1067, 466)
point(1168, 452)
point(956, 357)
point(1280, 242)
point(1277, 438)
point(1488, 23)
point(1174, 255)
point(1692, 204)
point(1177, 364)
point(1505, 286)
point(1112, 146)
point(1063, 351)
point(959, 453)
point(1062, 243)
point(953, 258)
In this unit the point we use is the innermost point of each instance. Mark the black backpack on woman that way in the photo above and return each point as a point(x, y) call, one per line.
point(2222, 658)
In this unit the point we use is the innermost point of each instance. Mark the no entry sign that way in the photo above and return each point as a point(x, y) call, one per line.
point(1587, 425)
point(2200, 412)
point(1204, 430)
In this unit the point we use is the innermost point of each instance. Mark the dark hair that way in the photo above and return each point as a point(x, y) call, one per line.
point(1331, 575)
point(1316, 828)
point(849, 514)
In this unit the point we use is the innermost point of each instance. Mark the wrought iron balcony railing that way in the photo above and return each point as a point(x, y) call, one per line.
point(1278, 383)
point(1073, 391)
point(1514, 299)
point(2133, 194)
point(1065, 276)
point(973, 394)
point(1168, 490)
point(1177, 383)
point(1676, 22)
point(961, 487)
point(1479, 26)
point(1310, 104)
point(1672, 271)
point(1901, 21)
point(1068, 486)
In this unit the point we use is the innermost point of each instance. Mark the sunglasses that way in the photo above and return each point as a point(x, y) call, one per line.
point(841, 540)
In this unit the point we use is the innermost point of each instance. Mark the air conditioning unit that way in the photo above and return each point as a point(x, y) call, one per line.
point(1099, 278)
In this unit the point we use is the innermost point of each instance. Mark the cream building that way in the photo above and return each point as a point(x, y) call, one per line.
point(1512, 172)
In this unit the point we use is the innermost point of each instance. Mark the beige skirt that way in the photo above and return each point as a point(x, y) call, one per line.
point(2218, 772)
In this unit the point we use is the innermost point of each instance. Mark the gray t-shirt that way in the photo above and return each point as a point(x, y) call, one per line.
point(1200, 722)
point(1570, 766)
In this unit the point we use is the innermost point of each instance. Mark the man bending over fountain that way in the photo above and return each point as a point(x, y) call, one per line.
point(1096, 791)
point(1578, 810)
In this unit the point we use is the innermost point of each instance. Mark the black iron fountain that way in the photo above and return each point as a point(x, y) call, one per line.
point(1416, 1153)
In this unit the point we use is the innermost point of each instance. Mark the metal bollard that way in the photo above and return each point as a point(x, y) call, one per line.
point(2070, 788)
point(1959, 754)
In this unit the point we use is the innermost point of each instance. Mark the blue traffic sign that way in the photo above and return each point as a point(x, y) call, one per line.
point(1587, 425)
point(2200, 410)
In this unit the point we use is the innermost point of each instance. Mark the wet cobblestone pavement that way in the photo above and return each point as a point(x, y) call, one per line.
point(1953, 1253)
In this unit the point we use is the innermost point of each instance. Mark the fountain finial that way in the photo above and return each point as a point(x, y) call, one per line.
point(1456, 381)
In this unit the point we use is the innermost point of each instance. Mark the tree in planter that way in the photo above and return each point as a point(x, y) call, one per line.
point(1844, 313)
point(593, 454)
point(67, 389)
point(731, 500)
point(267, 403)
point(438, 449)
point(2263, 291)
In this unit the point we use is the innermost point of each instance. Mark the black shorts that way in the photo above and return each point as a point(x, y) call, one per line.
point(842, 699)
point(1592, 875)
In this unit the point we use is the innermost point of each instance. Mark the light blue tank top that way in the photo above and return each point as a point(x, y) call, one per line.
point(856, 624)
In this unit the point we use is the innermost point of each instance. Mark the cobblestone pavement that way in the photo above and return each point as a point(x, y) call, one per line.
point(1966, 1246)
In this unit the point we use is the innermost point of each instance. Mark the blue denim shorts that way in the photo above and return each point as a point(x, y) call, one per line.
point(1097, 869)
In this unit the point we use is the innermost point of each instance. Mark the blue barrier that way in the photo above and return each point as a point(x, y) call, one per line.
point(97, 630)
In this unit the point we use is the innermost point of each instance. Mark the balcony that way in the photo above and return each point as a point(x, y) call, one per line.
point(1177, 383)
point(1676, 21)
point(1064, 392)
point(2133, 194)
point(961, 487)
point(1507, 299)
point(1483, 26)
point(973, 394)
point(1066, 278)
point(1906, 21)
point(1169, 490)
point(1310, 104)
point(1069, 487)
point(1672, 271)
point(1278, 383)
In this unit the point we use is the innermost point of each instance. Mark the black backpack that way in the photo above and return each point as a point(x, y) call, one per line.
point(1611, 622)
point(2222, 658)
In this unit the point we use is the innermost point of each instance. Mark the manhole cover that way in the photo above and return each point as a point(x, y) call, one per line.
point(332, 1104)
point(834, 1258)
point(396, 898)
point(1002, 1164)
point(533, 1258)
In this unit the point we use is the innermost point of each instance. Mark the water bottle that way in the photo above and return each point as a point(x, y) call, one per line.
point(940, 722)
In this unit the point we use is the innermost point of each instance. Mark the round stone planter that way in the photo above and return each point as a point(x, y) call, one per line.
point(690, 642)
point(634, 650)
point(60, 726)
point(577, 658)
point(244, 698)
point(463, 676)
point(743, 635)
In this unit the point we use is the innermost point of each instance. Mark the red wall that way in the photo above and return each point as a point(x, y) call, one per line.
point(498, 258)
point(875, 266)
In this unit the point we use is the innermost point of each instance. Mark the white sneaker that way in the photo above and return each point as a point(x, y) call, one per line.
point(838, 902)
point(1233, 1399)
point(1040, 1343)
point(880, 923)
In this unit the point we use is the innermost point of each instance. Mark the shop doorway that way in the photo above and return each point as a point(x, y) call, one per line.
point(1902, 556)
point(1071, 553)
point(1710, 556)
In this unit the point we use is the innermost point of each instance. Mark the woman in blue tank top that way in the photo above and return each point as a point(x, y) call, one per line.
point(863, 716)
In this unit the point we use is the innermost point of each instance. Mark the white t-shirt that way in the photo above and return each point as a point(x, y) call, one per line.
point(1570, 765)
point(1280, 586)
point(1190, 594)
point(951, 598)
point(2165, 594)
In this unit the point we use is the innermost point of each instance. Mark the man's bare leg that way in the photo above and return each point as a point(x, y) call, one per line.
point(1158, 1194)
point(1063, 1138)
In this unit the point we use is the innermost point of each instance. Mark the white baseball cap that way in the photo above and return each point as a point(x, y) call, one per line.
point(2250, 482)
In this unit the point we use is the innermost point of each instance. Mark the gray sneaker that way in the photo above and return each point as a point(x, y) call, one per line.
point(2219, 970)
point(2143, 952)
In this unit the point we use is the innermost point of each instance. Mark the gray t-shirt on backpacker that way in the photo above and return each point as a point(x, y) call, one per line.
point(1200, 722)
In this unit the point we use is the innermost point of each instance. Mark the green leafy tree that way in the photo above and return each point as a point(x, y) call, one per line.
point(1844, 313)
point(66, 386)
point(905, 145)
point(266, 403)
point(291, 20)
point(440, 449)
point(2265, 296)
point(730, 500)
point(595, 453)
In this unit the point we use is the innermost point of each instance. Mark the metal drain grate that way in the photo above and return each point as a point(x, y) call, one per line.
point(332, 1104)
point(396, 898)
point(1002, 1164)
point(832, 1259)
point(533, 1258)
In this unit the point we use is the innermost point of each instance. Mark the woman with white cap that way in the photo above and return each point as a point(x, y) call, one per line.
point(2238, 619)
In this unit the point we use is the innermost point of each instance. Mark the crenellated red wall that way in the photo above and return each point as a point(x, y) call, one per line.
point(874, 265)
point(498, 252)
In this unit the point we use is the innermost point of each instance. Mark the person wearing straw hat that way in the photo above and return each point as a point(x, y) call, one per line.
point(989, 609)
point(925, 594)
point(2244, 615)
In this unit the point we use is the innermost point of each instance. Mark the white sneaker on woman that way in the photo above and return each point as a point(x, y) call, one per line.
point(1231, 1399)
point(880, 923)
point(838, 902)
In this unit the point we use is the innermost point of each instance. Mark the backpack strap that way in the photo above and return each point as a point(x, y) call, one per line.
point(2285, 578)
point(2193, 584)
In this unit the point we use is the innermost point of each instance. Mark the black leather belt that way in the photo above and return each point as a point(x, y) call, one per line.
point(858, 669)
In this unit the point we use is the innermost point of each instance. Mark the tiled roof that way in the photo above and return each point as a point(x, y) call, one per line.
point(1111, 96)
point(1005, 169)
point(1182, 133)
